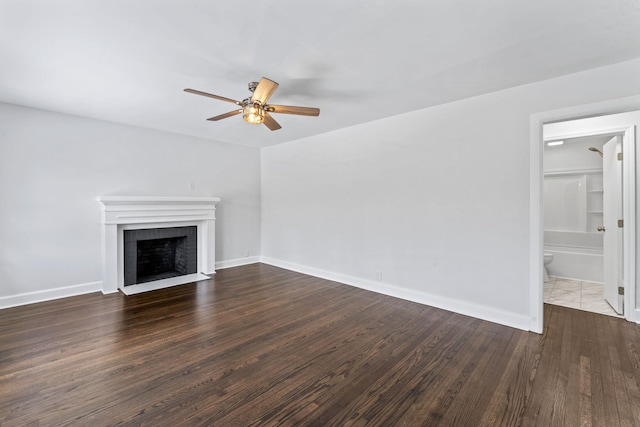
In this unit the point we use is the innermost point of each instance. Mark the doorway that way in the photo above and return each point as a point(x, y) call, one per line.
point(612, 117)
point(582, 191)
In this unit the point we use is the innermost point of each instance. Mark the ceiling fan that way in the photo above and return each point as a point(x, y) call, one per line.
point(255, 109)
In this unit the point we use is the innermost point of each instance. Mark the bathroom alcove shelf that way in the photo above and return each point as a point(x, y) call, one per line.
point(594, 201)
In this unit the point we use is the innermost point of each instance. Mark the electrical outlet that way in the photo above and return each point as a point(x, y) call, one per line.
point(379, 275)
point(192, 185)
point(246, 252)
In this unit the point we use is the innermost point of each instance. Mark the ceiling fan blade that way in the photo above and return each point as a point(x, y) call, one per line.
point(210, 95)
point(287, 109)
point(264, 90)
point(225, 115)
point(270, 122)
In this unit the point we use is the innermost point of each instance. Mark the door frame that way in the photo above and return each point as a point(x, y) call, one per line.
point(536, 204)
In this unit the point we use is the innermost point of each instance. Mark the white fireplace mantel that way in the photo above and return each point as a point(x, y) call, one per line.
point(139, 212)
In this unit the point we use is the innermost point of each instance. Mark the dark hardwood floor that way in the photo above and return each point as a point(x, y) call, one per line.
point(258, 345)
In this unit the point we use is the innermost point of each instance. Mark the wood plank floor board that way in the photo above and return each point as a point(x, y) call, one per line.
point(581, 399)
point(258, 345)
point(513, 392)
point(404, 377)
point(377, 383)
point(544, 377)
point(604, 372)
point(277, 335)
point(622, 392)
point(488, 361)
point(352, 381)
point(368, 351)
point(438, 373)
point(285, 369)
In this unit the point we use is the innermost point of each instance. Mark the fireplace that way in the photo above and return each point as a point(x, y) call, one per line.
point(175, 235)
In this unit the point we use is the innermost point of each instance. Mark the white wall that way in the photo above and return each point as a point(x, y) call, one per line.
point(436, 200)
point(52, 168)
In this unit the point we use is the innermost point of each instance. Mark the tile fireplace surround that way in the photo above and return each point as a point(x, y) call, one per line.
point(121, 213)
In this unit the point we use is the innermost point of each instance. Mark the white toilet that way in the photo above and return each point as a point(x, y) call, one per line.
point(548, 257)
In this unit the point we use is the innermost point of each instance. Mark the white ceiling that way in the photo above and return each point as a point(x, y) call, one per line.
point(128, 61)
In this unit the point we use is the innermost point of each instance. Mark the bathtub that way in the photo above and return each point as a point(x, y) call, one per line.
point(576, 255)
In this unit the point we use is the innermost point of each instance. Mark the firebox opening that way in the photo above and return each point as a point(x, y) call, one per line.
point(161, 253)
point(161, 259)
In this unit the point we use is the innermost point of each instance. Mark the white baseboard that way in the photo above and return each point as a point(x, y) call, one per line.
point(49, 294)
point(237, 262)
point(510, 319)
point(637, 316)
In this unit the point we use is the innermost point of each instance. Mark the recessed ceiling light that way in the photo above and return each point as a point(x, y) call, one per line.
point(554, 143)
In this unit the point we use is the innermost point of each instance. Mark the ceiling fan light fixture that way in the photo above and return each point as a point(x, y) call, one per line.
point(253, 113)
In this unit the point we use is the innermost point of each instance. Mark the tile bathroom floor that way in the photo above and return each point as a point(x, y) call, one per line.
point(585, 296)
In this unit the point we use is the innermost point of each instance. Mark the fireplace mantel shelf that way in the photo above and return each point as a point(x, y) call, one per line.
point(150, 200)
point(148, 209)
